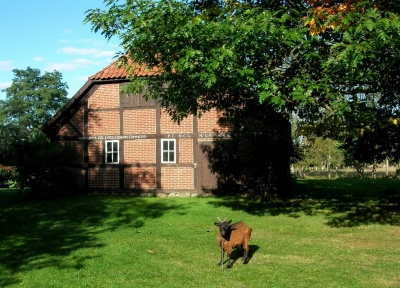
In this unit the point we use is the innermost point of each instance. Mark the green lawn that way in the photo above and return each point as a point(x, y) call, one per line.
point(332, 233)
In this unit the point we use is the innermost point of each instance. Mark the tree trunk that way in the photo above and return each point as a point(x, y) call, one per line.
point(374, 171)
point(328, 166)
point(387, 167)
point(360, 170)
point(303, 173)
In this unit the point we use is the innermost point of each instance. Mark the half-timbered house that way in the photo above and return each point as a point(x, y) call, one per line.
point(125, 144)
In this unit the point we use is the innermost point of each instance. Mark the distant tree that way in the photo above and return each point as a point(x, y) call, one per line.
point(31, 100)
point(319, 152)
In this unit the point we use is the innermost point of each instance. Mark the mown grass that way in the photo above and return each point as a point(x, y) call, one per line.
point(332, 233)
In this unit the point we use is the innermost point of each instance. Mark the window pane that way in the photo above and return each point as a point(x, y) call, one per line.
point(171, 156)
point(115, 146)
point(109, 146)
point(165, 156)
point(165, 145)
point(115, 157)
point(109, 157)
point(171, 145)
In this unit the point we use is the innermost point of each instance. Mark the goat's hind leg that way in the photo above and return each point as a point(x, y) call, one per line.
point(245, 254)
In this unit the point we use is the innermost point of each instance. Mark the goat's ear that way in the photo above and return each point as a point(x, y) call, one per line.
point(229, 222)
point(216, 223)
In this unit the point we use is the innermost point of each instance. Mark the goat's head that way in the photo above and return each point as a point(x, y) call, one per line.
point(223, 226)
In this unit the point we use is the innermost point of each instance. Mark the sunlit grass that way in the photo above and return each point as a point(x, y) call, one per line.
point(339, 233)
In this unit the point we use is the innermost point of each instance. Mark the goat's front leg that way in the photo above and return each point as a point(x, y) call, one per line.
point(222, 255)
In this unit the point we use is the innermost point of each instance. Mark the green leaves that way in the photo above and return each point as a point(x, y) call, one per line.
point(222, 54)
point(31, 100)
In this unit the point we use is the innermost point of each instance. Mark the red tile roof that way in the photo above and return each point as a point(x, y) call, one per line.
point(112, 72)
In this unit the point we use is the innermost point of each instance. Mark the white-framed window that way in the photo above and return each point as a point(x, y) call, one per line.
point(112, 152)
point(168, 151)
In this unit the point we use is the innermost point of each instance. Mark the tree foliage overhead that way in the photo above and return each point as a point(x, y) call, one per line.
point(31, 100)
point(313, 57)
point(211, 53)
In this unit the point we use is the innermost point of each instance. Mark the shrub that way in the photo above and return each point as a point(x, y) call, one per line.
point(8, 174)
point(41, 167)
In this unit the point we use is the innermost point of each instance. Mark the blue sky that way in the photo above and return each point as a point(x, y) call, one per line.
point(50, 35)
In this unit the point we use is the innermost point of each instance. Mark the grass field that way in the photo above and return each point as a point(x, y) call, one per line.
point(332, 233)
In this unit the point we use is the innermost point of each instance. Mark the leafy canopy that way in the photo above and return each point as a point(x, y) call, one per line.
point(333, 63)
point(207, 51)
point(295, 55)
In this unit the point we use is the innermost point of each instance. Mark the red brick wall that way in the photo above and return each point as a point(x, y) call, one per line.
point(106, 122)
point(105, 96)
point(106, 178)
point(95, 151)
point(103, 123)
point(76, 156)
point(66, 130)
point(208, 122)
point(139, 121)
point(140, 151)
point(140, 177)
point(78, 121)
point(177, 178)
point(185, 151)
point(168, 126)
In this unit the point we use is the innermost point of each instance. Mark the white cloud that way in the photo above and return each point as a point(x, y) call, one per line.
point(6, 65)
point(105, 54)
point(59, 67)
point(4, 85)
point(71, 64)
point(68, 31)
point(64, 41)
point(83, 78)
point(38, 59)
point(95, 52)
point(82, 62)
point(93, 42)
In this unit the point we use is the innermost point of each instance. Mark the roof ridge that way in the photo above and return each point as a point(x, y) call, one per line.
point(115, 71)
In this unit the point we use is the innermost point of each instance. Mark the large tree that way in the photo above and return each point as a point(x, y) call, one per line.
point(31, 100)
point(327, 61)
point(211, 55)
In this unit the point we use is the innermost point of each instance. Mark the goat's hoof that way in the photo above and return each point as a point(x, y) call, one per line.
point(219, 264)
point(228, 266)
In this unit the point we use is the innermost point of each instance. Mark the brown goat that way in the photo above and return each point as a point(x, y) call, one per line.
point(233, 236)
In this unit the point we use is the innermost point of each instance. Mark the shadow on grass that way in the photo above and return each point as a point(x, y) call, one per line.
point(38, 234)
point(343, 202)
point(238, 253)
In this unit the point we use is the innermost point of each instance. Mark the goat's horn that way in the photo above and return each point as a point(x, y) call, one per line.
point(225, 219)
point(219, 219)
